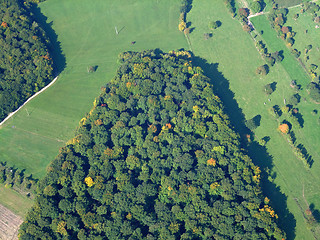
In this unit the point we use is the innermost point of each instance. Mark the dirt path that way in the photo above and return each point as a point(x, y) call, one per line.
point(29, 99)
point(9, 224)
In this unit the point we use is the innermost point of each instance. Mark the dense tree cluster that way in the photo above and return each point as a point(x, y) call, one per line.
point(156, 158)
point(25, 63)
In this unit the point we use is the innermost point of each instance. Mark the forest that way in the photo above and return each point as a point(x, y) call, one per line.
point(155, 158)
point(25, 62)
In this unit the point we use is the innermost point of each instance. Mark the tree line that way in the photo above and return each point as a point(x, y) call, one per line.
point(155, 158)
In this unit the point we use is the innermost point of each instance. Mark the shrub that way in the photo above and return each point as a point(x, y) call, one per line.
point(268, 89)
point(256, 7)
point(314, 91)
point(253, 123)
point(294, 99)
point(295, 53)
point(182, 26)
point(244, 12)
point(246, 28)
point(262, 70)
point(214, 25)
point(284, 128)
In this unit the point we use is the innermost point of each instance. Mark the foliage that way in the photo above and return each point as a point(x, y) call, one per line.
point(256, 6)
point(214, 25)
point(284, 128)
point(268, 89)
point(230, 5)
point(314, 91)
point(253, 123)
point(294, 99)
point(162, 160)
point(25, 62)
point(17, 179)
point(262, 70)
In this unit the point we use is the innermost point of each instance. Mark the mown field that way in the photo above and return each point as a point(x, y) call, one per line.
point(307, 33)
point(86, 30)
point(231, 52)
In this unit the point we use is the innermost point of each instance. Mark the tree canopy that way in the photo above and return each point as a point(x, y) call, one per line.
point(155, 158)
point(25, 61)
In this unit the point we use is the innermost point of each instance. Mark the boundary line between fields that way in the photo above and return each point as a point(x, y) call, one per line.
point(29, 99)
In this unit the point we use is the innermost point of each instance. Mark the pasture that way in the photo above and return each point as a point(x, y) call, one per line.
point(231, 60)
point(86, 32)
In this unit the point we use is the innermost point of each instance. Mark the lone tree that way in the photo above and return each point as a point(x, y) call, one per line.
point(91, 69)
point(214, 25)
point(268, 89)
point(253, 123)
point(284, 128)
point(262, 70)
point(256, 6)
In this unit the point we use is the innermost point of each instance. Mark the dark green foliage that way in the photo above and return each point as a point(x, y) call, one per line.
point(253, 123)
point(17, 179)
point(25, 62)
point(156, 158)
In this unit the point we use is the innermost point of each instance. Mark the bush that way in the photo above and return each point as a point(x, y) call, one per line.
point(284, 128)
point(206, 36)
point(314, 91)
point(253, 123)
point(256, 7)
point(295, 53)
point(262, 70)
point(214, 25)
point(246, 28)
point(294, 99)
point(268, 89)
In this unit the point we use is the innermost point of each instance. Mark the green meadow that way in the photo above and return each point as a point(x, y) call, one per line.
point(87, 36)
point(231, 60)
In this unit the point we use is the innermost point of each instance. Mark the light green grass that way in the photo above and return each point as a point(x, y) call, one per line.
point(86, 30)
point(237, 59)
point(302, 39)
point(14, 201)
point(290, 3)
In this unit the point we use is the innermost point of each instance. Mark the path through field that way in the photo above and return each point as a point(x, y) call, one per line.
point(9, 224)
point(28, 100)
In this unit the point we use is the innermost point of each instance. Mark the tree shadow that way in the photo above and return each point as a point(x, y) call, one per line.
point(315, 212)
point(258, 153)
point(273, 86)
point(54, 45)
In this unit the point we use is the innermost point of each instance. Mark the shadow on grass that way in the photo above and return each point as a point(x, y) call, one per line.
point(258, 153)
point(54, 45)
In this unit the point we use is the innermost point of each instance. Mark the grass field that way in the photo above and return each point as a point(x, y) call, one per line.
point(306, 33)
point(231, 52)
point(86, 30)
point(14, 201)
